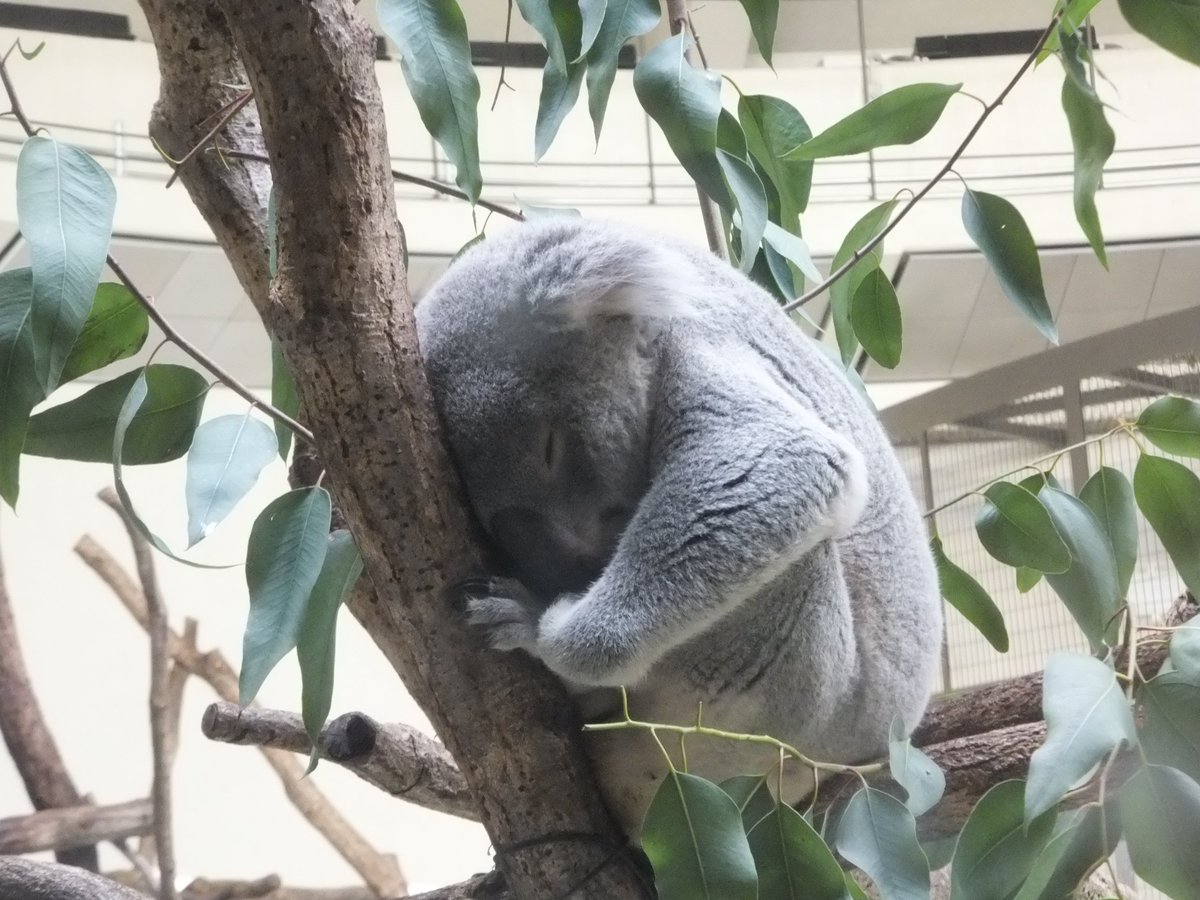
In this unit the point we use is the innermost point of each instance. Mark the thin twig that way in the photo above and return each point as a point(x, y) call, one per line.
point(174, 336)
point(677, 14)
point(504, 63)
point(160, 712)
point(945, 170)
point(227, 113)
point(439, 186)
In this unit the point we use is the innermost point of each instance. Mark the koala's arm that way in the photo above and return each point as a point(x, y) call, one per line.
point(745, 482)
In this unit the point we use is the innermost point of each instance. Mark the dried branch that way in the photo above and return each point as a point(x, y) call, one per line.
point(395, 758)
point(268, 888)
point(27, 879)
point(74, 826)
point(380, 871)
point(28, 738)
point(160, 698)
point(488, 886)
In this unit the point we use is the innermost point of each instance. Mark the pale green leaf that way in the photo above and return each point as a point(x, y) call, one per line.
point(623, 19)
point(772, 127)
point(878, 834)
point(763, 16)
point(1171, 722)
point(1160, 812)
point(1168, 494)
point(751, 203)
point(968, 596)
point(20, 388)
point(227, 455)
point(752, 796)
point(1109, 495)
point(997, 845)
point(920, 776)
point(1081, 840)
point(793, 862)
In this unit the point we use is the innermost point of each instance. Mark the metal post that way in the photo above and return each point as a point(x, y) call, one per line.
point(866, 88)
point(650, 159)
point(1076, 432)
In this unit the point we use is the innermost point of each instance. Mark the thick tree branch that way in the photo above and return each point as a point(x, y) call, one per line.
point(28, 738)
point(75, 826)
point(343, 318)
point(379, 871)
point(27, 879)
point(397, 759)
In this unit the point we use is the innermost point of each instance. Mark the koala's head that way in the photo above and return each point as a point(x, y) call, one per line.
point(541, 349)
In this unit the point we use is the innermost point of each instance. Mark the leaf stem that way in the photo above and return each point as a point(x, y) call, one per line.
point(954, 157)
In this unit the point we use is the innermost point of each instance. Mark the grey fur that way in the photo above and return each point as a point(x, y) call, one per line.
point(701, 506)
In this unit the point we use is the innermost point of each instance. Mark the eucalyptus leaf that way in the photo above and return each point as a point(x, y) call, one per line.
point(1091, 587)
point(878, 834)
point(227, 455)
point(1171, 722)
point(1016, 529)
point(317, 637)
point(772, 127)
point(284, 556)
point(1001, 234)
point(1168, 494)
point(1172, 424)
point(1185, 651)
point(1172, 24)
point(20, 388)
point(694, 839)
point(997, 845)
point(65, 206)
point(436, 61)
point(919, 775)
point(284, 397)
point(82, 429)
point(901, 116)
point(763, 16)
point(540, 15)
point(116, 328)
point(592, 14)
point(623, 19)
point(793, 249)
point(1160, 812)
point(686, 103)
point(969, 597)
point(1087, 716)
point(1109, 495)
point(1092, 140)
point(1082, 839)
point(1074, 16)
point(793, 862)
point(752, 796)
point(842, 291)
point(875, 318)
point(1027, 579)
point(751, 201)
point(559, 93)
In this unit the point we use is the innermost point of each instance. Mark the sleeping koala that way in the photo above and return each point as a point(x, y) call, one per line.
point(696, 503)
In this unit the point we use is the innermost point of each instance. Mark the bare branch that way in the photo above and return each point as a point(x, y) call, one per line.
point(27, 879)
point(488, 886)
point(28, 738)
point(380, 871)
point(268, 888)
point(395, 758)
point(74, 826)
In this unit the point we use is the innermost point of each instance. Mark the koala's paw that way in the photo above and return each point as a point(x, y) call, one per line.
point(508, 615)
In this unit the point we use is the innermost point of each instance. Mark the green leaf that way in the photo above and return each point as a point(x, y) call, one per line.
point(772, 127)
point(1109, 495)
point(1172, 24)
point(900, 116)
point(1027, 579)
point(1092, 139)
point(318, 631)
point(968, 596)
point(1075, 14)
point(284, 397)
point(541, 15)
point(752, 796)
point(919, 775)
point(999, 231)
point(284, 556)
point(227, 455)
point(559, 93)
point(751, 202)
point(686, 103)
point(842, 291)
point(623, 19)
point(694, 839)
point(1082, 839)
point(875, 318)
point(1168, 494)
point(793, 249)
point(997, 847)
point(436, 61)
point(793, 862)
point(1160, 811)
point(1016, 529)
point(1185, 651)
point(1087, 716)
point(763, 16)
point(1172, 424)
point(65, 205)
point(115, 329)
point(592, 14)
point(878, 834)
point(1171, 725)
point(1091, 587)
point(20, 389)
point(83, 428)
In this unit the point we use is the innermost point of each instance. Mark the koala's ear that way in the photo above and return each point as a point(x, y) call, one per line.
point(646, 283)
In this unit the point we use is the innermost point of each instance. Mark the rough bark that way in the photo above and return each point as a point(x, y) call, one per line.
point(27, 879)
point(75, 826)
point(397, 759)
point(341, 313)
point(28, 737)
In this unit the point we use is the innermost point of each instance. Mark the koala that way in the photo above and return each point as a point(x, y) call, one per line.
point(692, 500)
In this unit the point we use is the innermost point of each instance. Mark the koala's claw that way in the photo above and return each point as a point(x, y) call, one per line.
point(508, 615)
